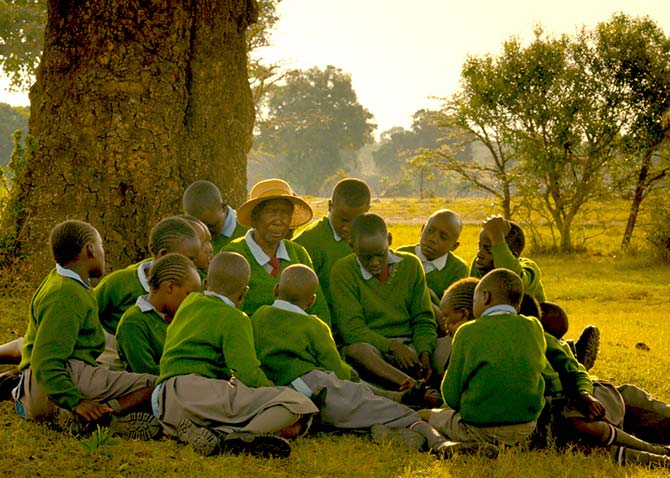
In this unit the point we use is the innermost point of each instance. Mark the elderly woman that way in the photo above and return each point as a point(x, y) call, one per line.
point(273, 209)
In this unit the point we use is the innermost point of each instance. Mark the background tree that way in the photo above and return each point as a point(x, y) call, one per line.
point(315, 124)
point(11, 119)
point(132, 102)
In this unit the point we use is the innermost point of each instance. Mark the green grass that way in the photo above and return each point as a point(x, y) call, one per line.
point(627, 296)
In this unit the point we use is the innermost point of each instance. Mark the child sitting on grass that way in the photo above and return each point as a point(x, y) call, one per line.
point(63, 340)
point(141, 332)
point(304, 355)
point(382, 308)
point(211, 391)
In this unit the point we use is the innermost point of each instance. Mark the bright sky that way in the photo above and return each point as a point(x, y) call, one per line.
point(401, 53)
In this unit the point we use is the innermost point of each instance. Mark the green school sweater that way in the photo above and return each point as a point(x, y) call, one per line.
point(324, 250)
point(62, 325)
point(573, 376)
point(438, 281)
point(210, 338)
point(527, 269)
point(262, 284)
point(495, 370)
point(371, 311)
point(220, 242)
point(140, 337)
point(116, 293)
point(290, 344)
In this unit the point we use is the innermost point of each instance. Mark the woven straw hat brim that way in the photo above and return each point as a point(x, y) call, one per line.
point(302, 212)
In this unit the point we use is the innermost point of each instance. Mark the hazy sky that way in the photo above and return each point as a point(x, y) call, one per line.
point(401, 53)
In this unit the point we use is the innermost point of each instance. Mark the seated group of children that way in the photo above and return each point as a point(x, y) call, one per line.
point(332, 327)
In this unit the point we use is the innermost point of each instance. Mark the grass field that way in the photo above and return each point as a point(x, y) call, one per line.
point(626, 295)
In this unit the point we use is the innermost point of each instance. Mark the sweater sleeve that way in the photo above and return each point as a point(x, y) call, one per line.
point(349, 312)
point(134, 345)
point(573, 375)
point(240, 353)
point(454, 379)
point(326, 354)
point(424, 327)
point(527, 269)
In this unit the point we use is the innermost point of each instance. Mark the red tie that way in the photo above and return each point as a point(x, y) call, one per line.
point(383, 277)
point(274, 262)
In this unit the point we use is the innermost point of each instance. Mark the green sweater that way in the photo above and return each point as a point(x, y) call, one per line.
point(495, 370)
point(210, 338)
point(262, 284)
point(574, 377)
point(438, 281)
point(140, 337)
point(527, 269)
point(290, 344)
point(62, 325)
point(116, 293)
point(370, 311)
point(220, 242)
point(324, 250)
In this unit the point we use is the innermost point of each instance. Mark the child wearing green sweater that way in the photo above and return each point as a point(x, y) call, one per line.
point(305, 356)
point(202, 199)
point(64, 338)
point(327, 240)
point(209, 360)
point(382, 308)
point(141, 332)
point(500, 245)
point(494, 384)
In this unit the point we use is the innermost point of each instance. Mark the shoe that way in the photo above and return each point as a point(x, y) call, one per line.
point(626, 456)
point(135, 425)
point(401, 436)
point(254, 444)
point(447, 449)
point(71, 423)
point(8, 382)
point(587, 346)
point(414, 397)
point(203, 440)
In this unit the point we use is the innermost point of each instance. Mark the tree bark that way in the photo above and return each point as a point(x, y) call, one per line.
point(133, 101)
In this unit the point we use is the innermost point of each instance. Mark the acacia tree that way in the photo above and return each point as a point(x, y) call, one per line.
point(314, 124)
point(133, 100)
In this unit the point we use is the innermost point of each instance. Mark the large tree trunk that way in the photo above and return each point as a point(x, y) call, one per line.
point(133, 101)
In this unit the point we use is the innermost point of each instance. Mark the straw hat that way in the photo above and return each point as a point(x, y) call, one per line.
point(274, 189)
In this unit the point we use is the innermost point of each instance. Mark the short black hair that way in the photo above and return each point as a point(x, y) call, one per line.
point(68, 238)
point(505, 284)
point(554, 319)
point(515, 239)
point(367, 224)
point(200, 197)
point(173, 266)
point(168, 234)
point(352, 192)
point(529, 307)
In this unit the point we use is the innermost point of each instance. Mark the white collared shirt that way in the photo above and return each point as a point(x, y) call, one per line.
point(336, 236)
point(430, 266)
point(393, 259)
point(145, 306)
point(285, 305)
point(499, 309)
point(62, 271)
point(261, 257)
point(230, 223)
point(222, 297)
point(142, 272)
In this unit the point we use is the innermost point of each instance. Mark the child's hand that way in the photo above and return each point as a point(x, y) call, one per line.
point(91, 411)
point(426, 370)
point(496, 228)
point(590, 406)
point(405, 357)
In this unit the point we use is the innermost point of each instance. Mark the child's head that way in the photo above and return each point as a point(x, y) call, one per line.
point(500, 286)
point(205, 255)
point(440, 234)
point(457, 302)
point(228, 275)
point(174, 234)
point(515, 240)
point(73, 241)
point(370, 241)
point(351, 198)
point(529, 306)
point(297, 285)
point(171, 278)
point(203, 200)
point(554, 319)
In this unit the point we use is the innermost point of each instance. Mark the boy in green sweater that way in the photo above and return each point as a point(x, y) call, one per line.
point(202, 199)
point(494, 383)
point(141, 332)
point(211, 391)
point(327, 240)
point(382, 308)
point(305, 356)
point(500, 245)
point(63, 340)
